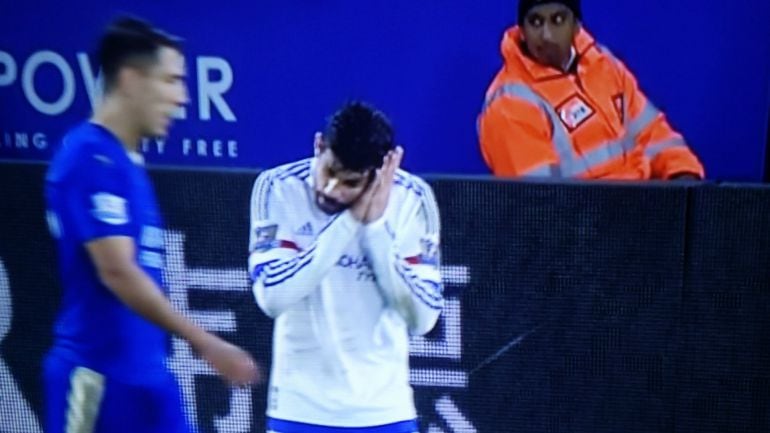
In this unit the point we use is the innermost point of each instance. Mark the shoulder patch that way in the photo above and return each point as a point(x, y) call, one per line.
point(110, 208)
point(265, 237)
point(430, 252)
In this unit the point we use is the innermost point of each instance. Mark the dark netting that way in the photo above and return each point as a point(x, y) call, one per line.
point(581, 284)
point(723, 371)
point(29, 295)
point(570, 308)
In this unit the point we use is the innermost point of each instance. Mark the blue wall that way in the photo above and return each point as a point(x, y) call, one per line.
point(427, 64)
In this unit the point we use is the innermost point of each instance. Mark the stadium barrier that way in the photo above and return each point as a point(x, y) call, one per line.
point(577, 308)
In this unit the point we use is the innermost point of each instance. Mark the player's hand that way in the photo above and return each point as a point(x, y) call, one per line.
point(232, 362)
point(360, 208)
point(383, 184)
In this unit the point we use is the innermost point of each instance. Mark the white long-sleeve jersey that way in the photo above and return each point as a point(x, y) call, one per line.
point(345, 297)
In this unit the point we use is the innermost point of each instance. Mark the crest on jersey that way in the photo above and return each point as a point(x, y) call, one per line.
point(574, 112)
point(265, 237)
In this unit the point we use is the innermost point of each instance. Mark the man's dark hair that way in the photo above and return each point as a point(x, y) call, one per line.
point(131, 41)
point(360, 136)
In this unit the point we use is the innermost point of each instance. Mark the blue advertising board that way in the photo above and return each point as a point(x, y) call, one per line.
point(263, 76)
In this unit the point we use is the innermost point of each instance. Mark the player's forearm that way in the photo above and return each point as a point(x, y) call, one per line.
point(419, 310)
point(378, 244)
point(282, 283)
point(142, 295)
point(417, 299)
point(414, 291)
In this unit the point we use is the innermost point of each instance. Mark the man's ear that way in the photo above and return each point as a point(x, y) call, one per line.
point(128, 80)
point(318, 144)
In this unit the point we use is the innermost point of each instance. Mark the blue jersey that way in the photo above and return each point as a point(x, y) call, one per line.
point(95, 190)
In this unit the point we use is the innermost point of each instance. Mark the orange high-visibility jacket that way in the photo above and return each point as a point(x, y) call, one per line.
point(591, 124)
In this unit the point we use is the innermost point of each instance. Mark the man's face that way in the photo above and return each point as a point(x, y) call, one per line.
point(549, 30)
point(159, 91)
point(336, 188)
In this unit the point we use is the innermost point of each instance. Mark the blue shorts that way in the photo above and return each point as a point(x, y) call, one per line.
point(80, 399)
point(281, 426)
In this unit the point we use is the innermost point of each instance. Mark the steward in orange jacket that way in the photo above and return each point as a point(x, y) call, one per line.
point(564, 107)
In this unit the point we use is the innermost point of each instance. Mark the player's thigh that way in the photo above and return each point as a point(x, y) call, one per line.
point(55, 389)
point(151, 408)
point(169, 401)
point(78, 399)
point(73, 396)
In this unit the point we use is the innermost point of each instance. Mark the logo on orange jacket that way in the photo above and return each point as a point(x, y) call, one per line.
point(574, 112)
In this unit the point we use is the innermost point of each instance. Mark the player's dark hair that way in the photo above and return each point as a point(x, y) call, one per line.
point(131, 41)
point(360, 136)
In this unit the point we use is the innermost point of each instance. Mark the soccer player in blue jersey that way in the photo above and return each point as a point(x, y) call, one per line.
point(106, 370)
point(344, 256)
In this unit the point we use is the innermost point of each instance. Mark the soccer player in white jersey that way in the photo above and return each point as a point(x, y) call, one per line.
point(344, 256)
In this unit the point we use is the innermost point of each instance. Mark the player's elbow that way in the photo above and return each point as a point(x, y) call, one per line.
point(422, 317)
point(116, 276)
point(269, 304)
point(423, 323)
point(265, 302)
point(419, 313)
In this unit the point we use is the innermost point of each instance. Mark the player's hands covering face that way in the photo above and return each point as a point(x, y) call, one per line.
point(372, 204)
